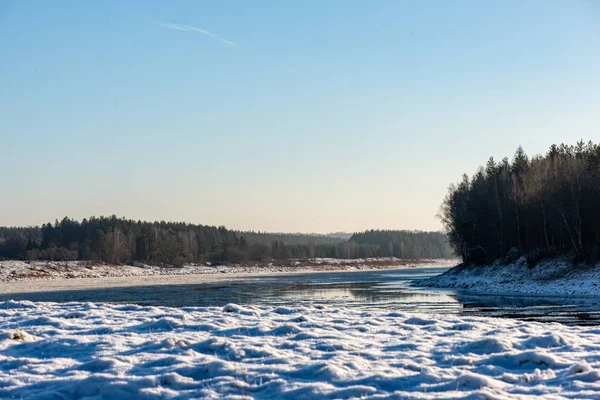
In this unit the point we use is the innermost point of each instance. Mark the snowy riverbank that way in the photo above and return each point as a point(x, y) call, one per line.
point(14, 271)
point(75, 350)
point(553, 277)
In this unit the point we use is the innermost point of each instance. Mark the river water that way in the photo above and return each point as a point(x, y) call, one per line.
point(387, 289)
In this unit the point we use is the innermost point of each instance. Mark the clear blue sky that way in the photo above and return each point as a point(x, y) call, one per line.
point(310, 116)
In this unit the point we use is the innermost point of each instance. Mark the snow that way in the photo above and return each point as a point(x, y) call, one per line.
point(94, 350)
point(15, 271)
point(551, 277)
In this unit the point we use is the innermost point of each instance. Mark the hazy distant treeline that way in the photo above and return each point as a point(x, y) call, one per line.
point(294, 238)
point(119, 240)
point(406, 244)
point(541, 206)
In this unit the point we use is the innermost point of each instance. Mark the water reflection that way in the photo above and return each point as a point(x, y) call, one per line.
point(572, 310)
point(399, 297)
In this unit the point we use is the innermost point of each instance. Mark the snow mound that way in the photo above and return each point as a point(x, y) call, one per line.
point(419, 321)
point(11, 305)
point(545, 341)
point(485, 346)
point(23, 336)
point(102, 351)
point(284, 310)
point(234, 308)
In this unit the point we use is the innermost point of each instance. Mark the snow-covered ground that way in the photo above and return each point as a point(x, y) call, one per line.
point(87, 350)
point(553, 277)
point(12, 270)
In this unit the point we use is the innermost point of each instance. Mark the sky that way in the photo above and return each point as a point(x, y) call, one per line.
point(306, 116)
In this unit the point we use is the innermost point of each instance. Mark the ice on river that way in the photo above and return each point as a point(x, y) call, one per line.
point(89, 350)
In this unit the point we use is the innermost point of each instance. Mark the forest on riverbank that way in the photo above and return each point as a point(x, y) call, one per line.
point(543, 206)
point(118, 241)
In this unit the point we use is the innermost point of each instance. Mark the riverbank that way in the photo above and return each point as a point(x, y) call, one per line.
point(551, 277)
point(20, 277)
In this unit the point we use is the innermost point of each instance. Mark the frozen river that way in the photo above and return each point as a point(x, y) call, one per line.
point(374, 289)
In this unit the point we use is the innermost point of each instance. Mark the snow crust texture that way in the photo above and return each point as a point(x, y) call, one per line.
point(553, 277)
point(90, 350)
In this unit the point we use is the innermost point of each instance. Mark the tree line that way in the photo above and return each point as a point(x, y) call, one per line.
point(405, 244)
point(118, 241)
point(541, 206)
point(293, 238)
